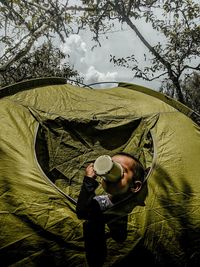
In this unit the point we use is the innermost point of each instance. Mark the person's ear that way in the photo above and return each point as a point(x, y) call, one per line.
point(137, 185)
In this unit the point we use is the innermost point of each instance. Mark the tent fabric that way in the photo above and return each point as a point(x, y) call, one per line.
point(50, 131)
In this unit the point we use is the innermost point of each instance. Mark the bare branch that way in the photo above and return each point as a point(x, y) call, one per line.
point(153, 78)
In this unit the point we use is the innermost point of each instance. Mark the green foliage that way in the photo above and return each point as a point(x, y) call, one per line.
point(191, 91)
point(27, 32)
point(45, 61)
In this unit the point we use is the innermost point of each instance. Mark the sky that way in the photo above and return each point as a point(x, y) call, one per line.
point(95, 66)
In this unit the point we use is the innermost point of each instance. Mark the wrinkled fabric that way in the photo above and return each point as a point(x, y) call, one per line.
point(50, 133)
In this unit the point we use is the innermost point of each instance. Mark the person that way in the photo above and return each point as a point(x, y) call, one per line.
point(91, 207)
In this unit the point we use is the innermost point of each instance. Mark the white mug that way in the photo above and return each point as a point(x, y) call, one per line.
point(108, 169)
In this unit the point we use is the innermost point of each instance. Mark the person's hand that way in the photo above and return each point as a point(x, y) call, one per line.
point(89, 171)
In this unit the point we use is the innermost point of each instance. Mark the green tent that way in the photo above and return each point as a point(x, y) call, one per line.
point(49, 132)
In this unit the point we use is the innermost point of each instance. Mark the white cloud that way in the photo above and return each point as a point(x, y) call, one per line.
point(87, 62)
point(94, 76)
point(76, 48)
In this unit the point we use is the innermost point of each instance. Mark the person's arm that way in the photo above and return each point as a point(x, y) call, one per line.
point(87, 207)
point(84, 207)
point(93, 228)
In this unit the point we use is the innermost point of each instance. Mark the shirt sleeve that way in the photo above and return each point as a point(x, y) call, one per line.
point(87, 207)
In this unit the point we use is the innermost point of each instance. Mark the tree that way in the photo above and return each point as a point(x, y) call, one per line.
point(176, 22)
point(45, 61)
point(30, 28)
point(30, 32)
point(191, 91)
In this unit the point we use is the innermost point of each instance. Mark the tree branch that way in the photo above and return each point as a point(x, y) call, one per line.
point(25, 50)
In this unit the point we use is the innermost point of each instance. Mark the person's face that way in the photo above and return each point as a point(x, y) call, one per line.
point(123, 184)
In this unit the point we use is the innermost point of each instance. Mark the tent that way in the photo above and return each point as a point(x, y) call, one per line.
point(49, 132)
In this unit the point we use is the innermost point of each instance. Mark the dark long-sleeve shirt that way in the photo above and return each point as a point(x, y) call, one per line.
point(89, 206)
